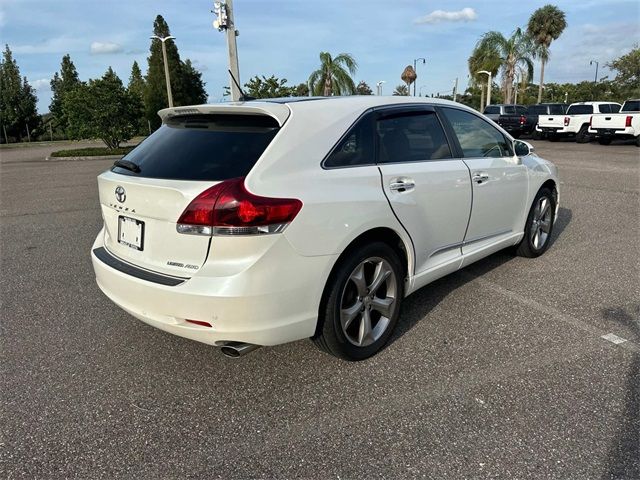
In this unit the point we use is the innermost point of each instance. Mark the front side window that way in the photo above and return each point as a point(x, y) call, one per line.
point(477, 137)
point(356, 148)
point(411, 137)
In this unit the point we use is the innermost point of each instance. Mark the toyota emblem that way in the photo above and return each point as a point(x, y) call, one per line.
point(121, 195)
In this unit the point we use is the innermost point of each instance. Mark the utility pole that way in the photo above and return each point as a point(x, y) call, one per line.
point(6, 139)
point(455, 89)
point(28, 134)
point(415, 65)
point(50, 132)
point(166, 65)
point(591, 62)
point(224, 21)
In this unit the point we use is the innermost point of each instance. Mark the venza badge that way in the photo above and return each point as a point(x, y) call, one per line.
point(121, 195)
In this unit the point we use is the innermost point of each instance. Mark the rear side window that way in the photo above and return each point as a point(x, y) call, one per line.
point(631, 106)
point(411, 137)
point(492, 110)
point(355, 148)
point(203, 147)
point(580, 110)
point(477, 137)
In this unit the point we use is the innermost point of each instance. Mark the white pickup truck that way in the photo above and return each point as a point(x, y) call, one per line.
point(625, 124)
point(575, 122)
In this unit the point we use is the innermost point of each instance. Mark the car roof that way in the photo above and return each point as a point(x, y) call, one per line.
point(593, 103)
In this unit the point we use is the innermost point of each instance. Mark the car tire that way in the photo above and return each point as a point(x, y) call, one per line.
point(357, 317)
point(604, 141)
point(638, 141)
point(536, 135)
point(583, 135)
point(553, 137)
point(539, 226)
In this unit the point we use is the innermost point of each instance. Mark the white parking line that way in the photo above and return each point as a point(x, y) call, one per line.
point(614, 338)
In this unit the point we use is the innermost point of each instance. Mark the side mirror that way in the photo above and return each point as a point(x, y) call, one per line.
point(523, 148)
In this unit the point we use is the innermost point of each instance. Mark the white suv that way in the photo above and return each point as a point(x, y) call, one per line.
point(259, 223)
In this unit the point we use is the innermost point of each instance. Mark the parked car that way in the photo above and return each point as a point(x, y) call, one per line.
point(534, 112)
point(575, 122)
point(258, 223)
point(494, 111)
point(625, 125)
point(517, 122)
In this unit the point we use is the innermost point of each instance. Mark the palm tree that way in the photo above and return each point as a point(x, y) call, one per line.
point(482, 59)
point(334, 75)
point(401, 90)
point(517, 50)
point(545, 25)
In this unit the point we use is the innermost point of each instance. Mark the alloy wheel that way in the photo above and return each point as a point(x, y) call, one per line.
point(368, 301)
point(541, 223)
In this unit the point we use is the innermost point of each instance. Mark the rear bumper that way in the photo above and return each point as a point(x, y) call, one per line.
point(268, 303)
point(614, 132)
point(556, 130)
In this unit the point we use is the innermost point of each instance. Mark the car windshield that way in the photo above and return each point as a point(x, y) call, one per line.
point(580, 110)
point(202, 147)
point(631, 106)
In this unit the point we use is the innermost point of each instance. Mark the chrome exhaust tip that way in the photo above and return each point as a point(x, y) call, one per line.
point(237, 349)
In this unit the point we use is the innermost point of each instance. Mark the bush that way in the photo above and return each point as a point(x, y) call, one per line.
point(92, 152)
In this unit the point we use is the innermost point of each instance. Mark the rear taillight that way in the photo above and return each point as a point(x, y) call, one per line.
point(523, 119)
point(229, 209)
point(627, 122)
point(566, 121)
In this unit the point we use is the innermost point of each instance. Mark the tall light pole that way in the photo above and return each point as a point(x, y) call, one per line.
point(379, 87)
point(591, 62)
point(224, 21)
point(415, 65)
point(488, 85)
point(166, 65)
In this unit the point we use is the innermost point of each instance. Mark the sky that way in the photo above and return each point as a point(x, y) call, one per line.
point(284, 37)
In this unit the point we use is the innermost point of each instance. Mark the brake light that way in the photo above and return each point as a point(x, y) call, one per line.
point(627, 123)
point(229, 209)
point(566, 121)
point(523, 119)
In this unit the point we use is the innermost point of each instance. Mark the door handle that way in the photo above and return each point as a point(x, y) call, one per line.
point(401, 185)
point(480, 177)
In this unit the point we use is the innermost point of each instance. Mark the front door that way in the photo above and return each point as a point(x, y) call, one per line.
point(498, 178)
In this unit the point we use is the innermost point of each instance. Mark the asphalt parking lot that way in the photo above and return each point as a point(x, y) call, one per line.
point(497, 371)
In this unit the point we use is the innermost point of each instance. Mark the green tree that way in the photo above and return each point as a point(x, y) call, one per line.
point(136, 87)
point(628, 72)
point(18, 101)
point(186, 82)
point(301, 90)
point(514, 52)
point(401, 90)
point(103, 109)
point(363, 89)
point(61, 84)
point(271, 87)
point(334, 75)
point(545, 25)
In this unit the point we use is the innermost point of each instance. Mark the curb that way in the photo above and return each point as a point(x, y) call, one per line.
point(82, 159)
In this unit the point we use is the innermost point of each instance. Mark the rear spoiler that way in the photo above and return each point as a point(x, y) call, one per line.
point(277, 111)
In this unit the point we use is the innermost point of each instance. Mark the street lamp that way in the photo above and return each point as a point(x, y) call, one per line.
point(488, 85)
point(379, 87)
point(415, 65)
point(591, 62)
point(166, 65)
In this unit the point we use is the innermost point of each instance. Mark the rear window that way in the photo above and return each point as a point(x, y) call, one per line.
point(631, 106)
point(203, 147)
point(615, 108)
point(537, 110)
point(509, 110)
point(580, 110)
point(557, 109)
point(492, 110)
point(604, 108)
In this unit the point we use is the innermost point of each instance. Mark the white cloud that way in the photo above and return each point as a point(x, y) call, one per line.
point(99, 48)
point(438, 16)
point(41, 83)
point(57, 45)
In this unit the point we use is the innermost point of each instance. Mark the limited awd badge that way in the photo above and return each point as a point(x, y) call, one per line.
point(121, 195)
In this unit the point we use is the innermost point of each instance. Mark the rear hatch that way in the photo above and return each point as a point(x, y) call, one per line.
point(143, 197)
point(609, 121)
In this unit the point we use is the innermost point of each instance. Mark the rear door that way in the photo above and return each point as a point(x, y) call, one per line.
point(188, 154)
point(428, 189)
point(499, 180)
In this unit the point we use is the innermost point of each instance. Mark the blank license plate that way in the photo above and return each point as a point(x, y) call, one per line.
point(131, 232)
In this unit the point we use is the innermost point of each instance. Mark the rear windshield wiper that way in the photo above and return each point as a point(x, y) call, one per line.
point(127, 165)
